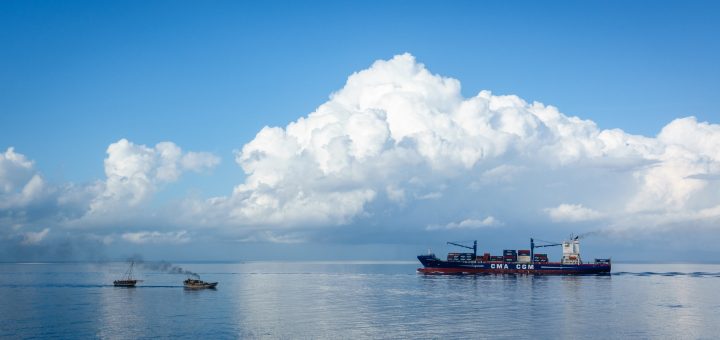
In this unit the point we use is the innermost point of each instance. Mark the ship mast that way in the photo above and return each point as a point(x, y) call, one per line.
point(128, 273)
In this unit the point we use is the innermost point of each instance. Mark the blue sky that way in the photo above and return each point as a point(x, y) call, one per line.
point(208, 76)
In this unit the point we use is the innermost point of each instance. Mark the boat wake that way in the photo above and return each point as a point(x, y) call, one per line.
point(692, 274)
point(72, 285)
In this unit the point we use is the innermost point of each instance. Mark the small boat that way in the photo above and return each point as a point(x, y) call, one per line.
point(198, 284)
point(127, 280)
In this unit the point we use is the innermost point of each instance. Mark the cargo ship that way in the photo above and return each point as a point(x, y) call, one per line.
point(513, 261)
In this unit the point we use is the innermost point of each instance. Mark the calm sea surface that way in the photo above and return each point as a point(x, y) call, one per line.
point(298, 300)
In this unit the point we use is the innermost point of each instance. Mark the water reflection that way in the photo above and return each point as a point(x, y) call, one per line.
point(121, 311)
point(359, 300)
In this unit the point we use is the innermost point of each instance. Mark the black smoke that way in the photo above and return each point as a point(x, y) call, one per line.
point(162, 266)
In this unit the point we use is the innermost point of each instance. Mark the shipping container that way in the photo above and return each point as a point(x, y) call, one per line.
point(540, 258)
point(524, 252)
point(523, 258)
point(460, 257)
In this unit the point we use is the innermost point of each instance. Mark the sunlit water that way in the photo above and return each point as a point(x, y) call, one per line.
point(357, 300)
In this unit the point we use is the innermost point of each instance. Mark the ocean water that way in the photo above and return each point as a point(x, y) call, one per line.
point(350, 300)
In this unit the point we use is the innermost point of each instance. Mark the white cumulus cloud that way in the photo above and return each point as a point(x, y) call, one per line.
point(134, 171)
point(15, 169)
point(398, 143)
point(396, 134)
point(20, 183)
point(133, 174)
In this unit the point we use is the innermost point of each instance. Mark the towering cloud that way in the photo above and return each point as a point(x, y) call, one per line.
point(397, 145)
point(397, 134)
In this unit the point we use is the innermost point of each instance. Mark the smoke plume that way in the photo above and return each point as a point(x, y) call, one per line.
point(162, 266)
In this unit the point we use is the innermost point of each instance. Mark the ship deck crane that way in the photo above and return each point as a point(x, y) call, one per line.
point(533, 246)
point(474, 247)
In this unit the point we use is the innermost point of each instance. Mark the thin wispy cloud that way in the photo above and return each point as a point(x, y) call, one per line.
point(572, 213)
point(31, 237)
point(467, 224)
point(155, 237)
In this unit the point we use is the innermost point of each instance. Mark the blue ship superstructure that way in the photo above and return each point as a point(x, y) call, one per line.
point(515, 261)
